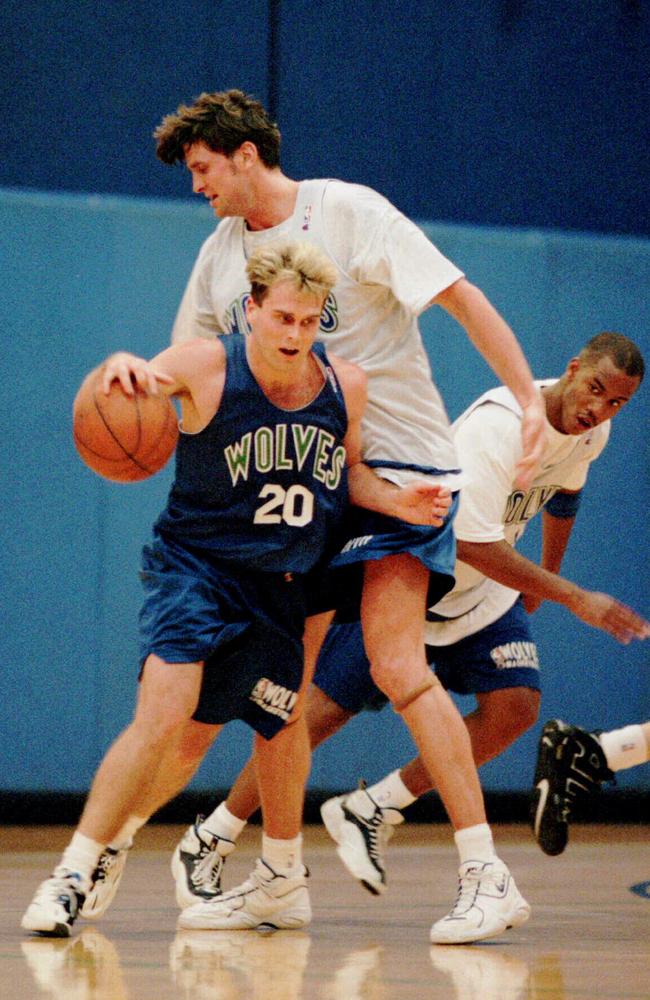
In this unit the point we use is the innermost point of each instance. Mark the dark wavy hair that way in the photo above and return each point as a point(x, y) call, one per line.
point(223, 121)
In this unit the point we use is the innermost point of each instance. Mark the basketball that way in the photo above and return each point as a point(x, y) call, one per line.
point(123, 438)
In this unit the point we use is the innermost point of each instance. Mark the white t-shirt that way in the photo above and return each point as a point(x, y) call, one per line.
point(488, 440)
point(388, 272)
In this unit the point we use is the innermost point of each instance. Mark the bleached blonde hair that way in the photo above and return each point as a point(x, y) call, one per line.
point(306, 266)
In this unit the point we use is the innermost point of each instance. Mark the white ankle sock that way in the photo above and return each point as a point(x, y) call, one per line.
point(475, 843)
point(284, 856)
point(222, 823)
point(625, 747)
point(391, 792)
point(81, 855)
point(125, 837)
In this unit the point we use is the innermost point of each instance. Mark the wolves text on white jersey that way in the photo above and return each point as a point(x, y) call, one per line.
point(524, 504)
point(235, 320)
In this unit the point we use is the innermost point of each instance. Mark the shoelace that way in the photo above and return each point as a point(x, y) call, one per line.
point(206, 872)
point(378, 835)
point(106, 861)
point(468, 887)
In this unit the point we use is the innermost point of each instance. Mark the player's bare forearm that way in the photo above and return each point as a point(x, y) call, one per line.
point(504, 564)
point(174, 371)
point(420, 502)
point(556, 532)
point(498, 345)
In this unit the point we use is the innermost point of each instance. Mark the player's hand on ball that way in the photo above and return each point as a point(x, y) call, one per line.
point(128, 368)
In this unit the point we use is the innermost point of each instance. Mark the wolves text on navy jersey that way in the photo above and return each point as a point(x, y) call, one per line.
point(285, 447)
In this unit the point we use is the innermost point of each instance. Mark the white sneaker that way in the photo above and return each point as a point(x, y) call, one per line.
point(487, 904)
point(362, 830)
point(104, 882)
point(197, 865)
point(265, 900)
point(56, 904)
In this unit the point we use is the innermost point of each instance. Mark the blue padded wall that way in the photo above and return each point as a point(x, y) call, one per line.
point(493, 112)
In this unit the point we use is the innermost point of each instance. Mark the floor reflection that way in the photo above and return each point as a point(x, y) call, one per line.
point(85, 967)
point(233, 965)
point(245, 965)
point(482, 972)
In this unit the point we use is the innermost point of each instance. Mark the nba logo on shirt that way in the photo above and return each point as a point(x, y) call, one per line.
point(306, 220)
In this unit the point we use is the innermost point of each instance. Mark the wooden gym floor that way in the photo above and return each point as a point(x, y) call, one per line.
point(588, 937)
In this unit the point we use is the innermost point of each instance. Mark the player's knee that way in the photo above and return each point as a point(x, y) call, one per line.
point(401, 681)
point(162, 723)
point(527, 708)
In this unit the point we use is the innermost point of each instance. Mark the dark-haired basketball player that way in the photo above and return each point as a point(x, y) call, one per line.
point(387, 274)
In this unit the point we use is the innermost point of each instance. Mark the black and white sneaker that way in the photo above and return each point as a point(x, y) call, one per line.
point(56, 904)
point(197, 865)
point(571, 766)
point(361, 829)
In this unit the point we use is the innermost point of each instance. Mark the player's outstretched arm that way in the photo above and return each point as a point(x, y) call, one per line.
point(496, 342)
point(504, 564)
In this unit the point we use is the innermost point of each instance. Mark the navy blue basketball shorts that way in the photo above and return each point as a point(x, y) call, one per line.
point(371, 536)
point(246, 626)
point(502, 655)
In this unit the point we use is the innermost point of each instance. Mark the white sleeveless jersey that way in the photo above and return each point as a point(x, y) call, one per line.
point(388, 271)
point(488, 440)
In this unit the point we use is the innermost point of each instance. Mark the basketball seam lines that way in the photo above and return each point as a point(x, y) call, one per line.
point(117, 440)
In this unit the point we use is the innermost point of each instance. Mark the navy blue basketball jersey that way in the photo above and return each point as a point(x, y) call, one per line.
point(261, 486)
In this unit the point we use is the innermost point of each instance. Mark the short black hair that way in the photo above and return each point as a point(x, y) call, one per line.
point(624, 352)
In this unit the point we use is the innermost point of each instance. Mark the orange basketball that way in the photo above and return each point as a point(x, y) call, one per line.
point(123, 438)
